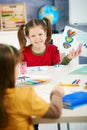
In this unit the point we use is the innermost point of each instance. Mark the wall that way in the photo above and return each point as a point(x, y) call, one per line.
point(33, 6)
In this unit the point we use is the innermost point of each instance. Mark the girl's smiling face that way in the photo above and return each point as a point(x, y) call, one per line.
point(37, 36)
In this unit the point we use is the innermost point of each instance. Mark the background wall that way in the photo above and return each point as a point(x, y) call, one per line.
point(33, 6)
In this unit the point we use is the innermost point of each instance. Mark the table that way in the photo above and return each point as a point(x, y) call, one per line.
point(56, 75)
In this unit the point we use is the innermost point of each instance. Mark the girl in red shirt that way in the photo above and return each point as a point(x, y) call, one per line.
point(39, 52)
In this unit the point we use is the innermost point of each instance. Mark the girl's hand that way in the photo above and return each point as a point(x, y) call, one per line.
point(72, 54)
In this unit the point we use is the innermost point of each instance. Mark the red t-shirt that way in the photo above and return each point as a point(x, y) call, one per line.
point(51, 56)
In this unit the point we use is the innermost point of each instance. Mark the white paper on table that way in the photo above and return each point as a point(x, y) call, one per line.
point(37, 68)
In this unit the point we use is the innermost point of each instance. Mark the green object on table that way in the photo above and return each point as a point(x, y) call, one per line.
point(82, 70)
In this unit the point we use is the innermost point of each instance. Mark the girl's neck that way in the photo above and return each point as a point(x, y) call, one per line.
point(37, 50)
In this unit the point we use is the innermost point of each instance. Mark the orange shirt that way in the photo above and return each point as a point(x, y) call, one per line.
point(21, 104)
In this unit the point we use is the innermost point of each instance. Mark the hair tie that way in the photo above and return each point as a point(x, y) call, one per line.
point(44, 21)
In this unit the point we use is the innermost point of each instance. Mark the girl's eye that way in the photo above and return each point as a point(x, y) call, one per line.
point(33, 36)
point(40, 34)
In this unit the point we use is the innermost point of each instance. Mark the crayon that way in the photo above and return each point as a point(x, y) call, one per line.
point(69, 85)
point(74, 81)
point(86, 83)
point(77, 81)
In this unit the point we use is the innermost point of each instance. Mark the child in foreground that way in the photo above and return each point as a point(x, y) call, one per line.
point(18, 105)
point(39, 52)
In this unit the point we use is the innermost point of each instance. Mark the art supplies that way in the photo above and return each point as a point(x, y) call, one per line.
point(69, 85)
point(37, 68)
point(76, 81)
point(24, 80)
point(23, 67)
point(85, 87)
point(35, 81)
point(76, 99)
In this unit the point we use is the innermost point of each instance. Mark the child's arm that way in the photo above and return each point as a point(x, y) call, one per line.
point(65, 61)
point(72, 54)
point(56, 104)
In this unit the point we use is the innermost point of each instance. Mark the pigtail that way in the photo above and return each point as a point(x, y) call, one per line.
point(49, 29)
point(22, 38)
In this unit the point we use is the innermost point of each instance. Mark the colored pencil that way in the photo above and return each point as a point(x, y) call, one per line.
point(74, 81)
point(69, 85)
point(77, 81)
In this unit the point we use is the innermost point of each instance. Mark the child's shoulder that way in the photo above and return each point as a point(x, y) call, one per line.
point(51, 46)
point(24, 91)
point(27, 48)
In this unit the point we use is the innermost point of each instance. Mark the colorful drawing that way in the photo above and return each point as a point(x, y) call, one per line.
point(66, 45)
point(72, 38)
point(71, 33)
point(68, 38)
